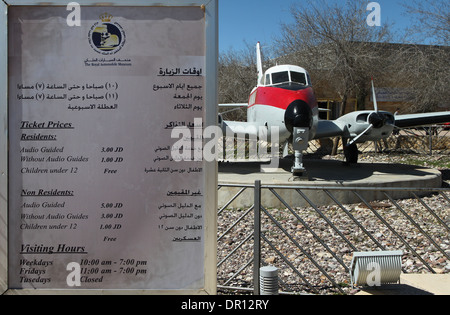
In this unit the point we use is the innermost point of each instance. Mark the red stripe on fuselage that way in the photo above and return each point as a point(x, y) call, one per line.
point(281, 98)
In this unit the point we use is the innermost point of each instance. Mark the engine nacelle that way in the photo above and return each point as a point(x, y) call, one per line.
point(298, 114)
point(357, 122)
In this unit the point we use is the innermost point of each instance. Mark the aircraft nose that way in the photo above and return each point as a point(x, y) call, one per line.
point(298, 114)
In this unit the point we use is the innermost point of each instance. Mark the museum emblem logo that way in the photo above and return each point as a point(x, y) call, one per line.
point(105, 37)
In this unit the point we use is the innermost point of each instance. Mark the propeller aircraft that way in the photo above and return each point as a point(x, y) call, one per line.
point(284, 101)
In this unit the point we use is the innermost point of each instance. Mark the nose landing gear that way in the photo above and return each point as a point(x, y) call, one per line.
point(300, 144)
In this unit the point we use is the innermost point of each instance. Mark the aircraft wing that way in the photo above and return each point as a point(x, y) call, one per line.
point(412, 120)
point(341, 127)
point(329, 129)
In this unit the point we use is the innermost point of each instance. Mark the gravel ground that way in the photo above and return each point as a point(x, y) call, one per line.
point(336, 253)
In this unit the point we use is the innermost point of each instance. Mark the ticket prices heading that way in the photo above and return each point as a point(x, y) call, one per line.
point(92, 179)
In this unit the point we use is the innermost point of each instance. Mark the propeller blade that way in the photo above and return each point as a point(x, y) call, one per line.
point(375, 104)
point(360, 135)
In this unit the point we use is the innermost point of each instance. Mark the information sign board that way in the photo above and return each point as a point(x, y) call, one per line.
point(97, 198)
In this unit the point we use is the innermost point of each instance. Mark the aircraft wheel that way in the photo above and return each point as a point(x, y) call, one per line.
point(351, 153)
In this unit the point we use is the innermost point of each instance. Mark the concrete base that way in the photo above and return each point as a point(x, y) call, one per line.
point(323, 174)
point(414, 284)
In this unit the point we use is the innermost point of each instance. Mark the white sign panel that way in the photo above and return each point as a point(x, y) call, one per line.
point(96, 198)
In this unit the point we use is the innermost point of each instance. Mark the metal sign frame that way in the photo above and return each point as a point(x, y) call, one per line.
point(210, 8)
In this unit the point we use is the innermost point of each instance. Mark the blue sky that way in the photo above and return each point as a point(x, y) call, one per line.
point(259, 20)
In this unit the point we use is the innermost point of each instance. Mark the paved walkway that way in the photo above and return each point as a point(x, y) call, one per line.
point(414, 284)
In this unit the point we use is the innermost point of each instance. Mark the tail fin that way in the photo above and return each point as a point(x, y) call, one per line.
point(259, 64)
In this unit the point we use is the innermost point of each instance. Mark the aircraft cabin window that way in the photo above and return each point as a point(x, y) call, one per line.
point(268, 79)
point(298, 77)
point(280, 77)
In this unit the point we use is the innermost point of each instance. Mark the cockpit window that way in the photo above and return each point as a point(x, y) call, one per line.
point(268, 79)
point(308, 78)
point(280, 77)
point(287, 77)
point(298, 77)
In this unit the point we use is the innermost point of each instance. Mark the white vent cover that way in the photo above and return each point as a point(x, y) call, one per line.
point(268, 277)
point(376, 268)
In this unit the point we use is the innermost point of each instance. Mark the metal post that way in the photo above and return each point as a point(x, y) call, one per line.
point(430, 146)
point(257, 238)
